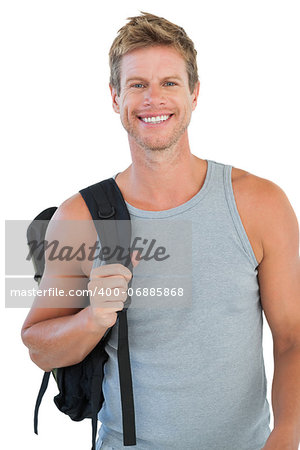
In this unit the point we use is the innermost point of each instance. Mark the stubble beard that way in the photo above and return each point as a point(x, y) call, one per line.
point(159, 144)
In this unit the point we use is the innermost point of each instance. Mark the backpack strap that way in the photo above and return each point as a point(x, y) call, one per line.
point(105, 201)
point(41, 393)
point(36, 232)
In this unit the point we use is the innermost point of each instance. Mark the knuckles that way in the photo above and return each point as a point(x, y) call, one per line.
point(111, 270)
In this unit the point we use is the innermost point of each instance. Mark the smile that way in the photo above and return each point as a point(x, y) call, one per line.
point(156, 119)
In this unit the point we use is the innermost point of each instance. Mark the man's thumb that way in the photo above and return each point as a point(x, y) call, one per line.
point(134, 259)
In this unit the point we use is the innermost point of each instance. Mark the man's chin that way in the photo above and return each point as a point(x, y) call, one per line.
point(157, 148)
point(155, 145)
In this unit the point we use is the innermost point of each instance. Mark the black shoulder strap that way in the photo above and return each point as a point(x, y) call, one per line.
point(105, 202)
point(36, 232)
point(41, 393)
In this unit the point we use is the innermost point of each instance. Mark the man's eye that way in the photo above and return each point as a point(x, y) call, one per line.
point(170, 83)
point(138, 85)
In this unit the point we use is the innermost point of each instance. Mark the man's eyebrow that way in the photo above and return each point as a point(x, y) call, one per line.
point(135, 79)
point(173, 77)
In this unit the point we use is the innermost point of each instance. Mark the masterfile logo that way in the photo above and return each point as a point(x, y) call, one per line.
point(161, 279)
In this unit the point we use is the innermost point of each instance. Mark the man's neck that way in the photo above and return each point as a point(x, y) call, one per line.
point(162, 186)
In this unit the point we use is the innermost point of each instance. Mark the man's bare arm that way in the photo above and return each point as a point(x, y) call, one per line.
point(279, 279)
point(56, 331)
point(62, 341)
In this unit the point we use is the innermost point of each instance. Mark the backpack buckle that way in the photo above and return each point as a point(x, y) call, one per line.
point(107, 216)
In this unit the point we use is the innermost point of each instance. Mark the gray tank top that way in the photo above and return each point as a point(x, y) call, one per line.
point(198, 372)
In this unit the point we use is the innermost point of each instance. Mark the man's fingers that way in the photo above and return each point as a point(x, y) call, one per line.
point(111, 270)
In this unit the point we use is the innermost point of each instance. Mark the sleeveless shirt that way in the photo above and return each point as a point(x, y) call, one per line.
point(198, 371)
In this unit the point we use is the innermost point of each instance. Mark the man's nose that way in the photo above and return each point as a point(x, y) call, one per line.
point(155, 95)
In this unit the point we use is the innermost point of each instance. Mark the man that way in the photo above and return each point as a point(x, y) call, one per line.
point(198, 374)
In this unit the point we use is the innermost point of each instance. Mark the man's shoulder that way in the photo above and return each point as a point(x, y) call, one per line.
point(73, 208)
point(72, 228)
point(263, 206)
point(258, 191)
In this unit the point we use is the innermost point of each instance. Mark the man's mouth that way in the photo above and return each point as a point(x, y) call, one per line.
point(155, 119)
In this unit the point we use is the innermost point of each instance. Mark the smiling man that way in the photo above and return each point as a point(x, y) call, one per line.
point(198, 371)
point(162, 125)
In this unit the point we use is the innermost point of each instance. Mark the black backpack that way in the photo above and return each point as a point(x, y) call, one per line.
point(80, 385)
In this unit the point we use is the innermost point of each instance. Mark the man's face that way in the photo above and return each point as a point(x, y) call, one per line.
point(155, 103)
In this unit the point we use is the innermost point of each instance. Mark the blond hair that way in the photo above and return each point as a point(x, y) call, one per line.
point(149, 30)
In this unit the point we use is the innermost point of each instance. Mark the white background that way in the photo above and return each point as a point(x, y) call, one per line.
point(60, 134)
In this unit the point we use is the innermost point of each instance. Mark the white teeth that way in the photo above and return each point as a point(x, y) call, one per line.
point(156, 119)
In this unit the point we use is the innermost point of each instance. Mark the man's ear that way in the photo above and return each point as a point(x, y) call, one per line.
point(195, 95)
point(115, 99)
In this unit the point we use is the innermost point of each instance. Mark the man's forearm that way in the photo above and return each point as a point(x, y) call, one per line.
point(62, 341)
point(286, 393)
